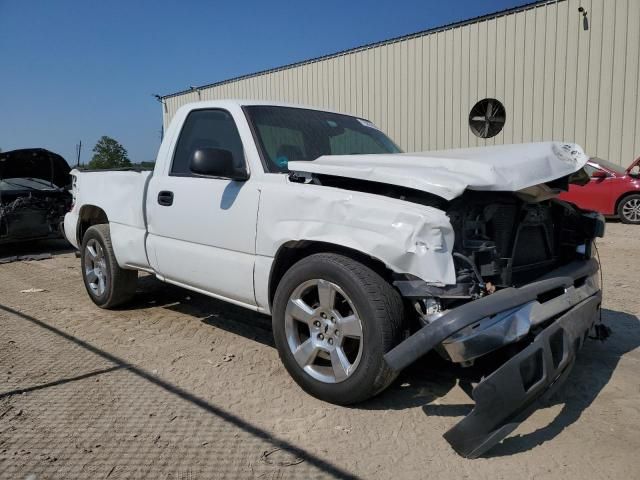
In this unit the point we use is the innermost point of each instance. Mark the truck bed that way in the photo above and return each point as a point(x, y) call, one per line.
point(121, 194)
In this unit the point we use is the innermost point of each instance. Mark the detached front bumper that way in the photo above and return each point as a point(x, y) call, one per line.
point(511, 393)
point(562, 308)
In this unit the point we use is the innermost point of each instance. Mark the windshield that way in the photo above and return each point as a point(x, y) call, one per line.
point(286, 134)
point(614, 167)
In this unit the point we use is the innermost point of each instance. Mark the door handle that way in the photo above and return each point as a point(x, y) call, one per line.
point(165, 198)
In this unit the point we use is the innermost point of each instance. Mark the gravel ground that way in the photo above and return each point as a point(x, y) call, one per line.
point(180, 386)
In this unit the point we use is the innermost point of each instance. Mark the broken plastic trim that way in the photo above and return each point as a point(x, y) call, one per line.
point(513, 392)
point(429, 336)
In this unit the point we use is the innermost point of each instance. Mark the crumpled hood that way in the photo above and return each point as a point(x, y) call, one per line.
point(448, 173)
point(35, 163)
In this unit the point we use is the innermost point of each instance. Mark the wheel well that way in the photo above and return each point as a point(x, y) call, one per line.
point(89, 215)
point(292, 252)
point(622, 197)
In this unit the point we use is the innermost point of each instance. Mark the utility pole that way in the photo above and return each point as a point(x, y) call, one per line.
point(164, 105)
point(78, 151)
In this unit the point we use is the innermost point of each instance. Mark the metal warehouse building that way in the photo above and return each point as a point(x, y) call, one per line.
point(551, 70)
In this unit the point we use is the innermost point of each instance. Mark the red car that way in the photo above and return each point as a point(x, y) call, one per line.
point(612, 190)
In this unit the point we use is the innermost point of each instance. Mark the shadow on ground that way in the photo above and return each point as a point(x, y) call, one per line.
point(240, 321)
point(36, 247)
point(139, 427)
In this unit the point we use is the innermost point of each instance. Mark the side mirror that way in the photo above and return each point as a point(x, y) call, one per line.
point(599, 174)
point(216, 162)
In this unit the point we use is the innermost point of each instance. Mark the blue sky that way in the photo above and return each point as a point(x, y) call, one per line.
point(76, 70)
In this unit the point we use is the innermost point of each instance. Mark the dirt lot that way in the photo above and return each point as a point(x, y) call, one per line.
point(181, 386)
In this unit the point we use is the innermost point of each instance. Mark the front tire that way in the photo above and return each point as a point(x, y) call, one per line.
point(629, 209)
point(333, 320)
point(107, 284)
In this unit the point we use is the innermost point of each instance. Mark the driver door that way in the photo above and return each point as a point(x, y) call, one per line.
point(202, 229)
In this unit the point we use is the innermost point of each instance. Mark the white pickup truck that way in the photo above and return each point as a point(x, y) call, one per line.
point(366, 258)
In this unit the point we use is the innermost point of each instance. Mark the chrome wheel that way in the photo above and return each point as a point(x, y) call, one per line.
point(95, 268)
point(631, 210)
point(324, 331)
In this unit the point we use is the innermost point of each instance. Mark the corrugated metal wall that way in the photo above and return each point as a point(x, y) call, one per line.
point(556, 80)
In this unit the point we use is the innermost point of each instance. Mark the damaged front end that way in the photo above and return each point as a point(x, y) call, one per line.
point(527, 279)
point(521, 280)
point(33, 198)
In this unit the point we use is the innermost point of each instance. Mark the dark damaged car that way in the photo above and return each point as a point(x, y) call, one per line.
point(366, 258)
point(34, 194)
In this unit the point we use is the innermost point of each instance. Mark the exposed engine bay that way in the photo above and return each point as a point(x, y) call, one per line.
point(504, 241)
point(33, 197)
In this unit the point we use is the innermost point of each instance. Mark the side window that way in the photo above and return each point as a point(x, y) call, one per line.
point(206, 129)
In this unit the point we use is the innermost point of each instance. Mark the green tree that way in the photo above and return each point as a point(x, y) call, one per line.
point(109, 153)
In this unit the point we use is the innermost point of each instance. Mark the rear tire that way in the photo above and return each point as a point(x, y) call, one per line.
point(107, 284)
point(629, 209)
point(333, 320)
